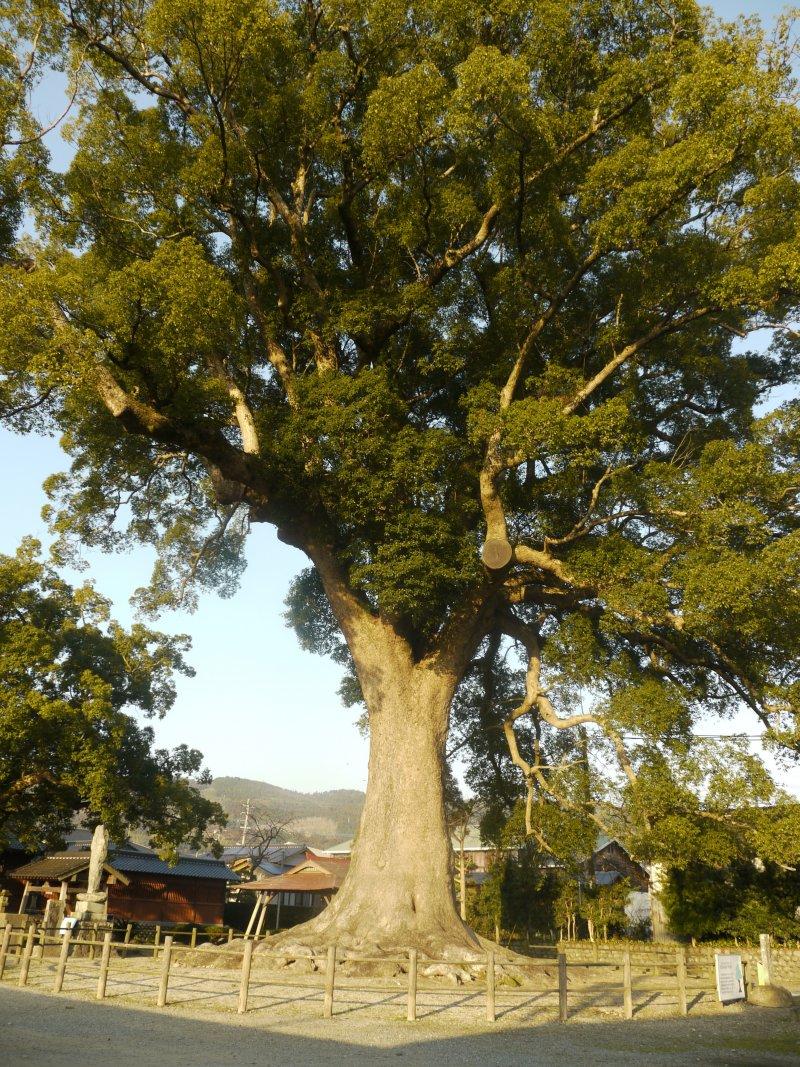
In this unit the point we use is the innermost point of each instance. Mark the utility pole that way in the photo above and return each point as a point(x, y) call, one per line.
point(244, 825)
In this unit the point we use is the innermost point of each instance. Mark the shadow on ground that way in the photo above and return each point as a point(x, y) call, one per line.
point(36, 1028)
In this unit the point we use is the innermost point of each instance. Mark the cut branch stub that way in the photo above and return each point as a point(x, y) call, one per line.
point(496, 553)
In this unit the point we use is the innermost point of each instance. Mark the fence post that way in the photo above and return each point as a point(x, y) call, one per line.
point(58, 981)
point(193, 941)
point(627, 986)
point(92, 949)
point(155, 942)
point(490, 1005)
point(412, 985)
point(165, 962)
point(562, 987)
point(680, 959)
point(26, 958)
point(42, 939)
point(230, 934)
point(330, 978)
point(4, 947)
point(127, 938)
point(244, 984)
point(104, 958)
point(765, 942)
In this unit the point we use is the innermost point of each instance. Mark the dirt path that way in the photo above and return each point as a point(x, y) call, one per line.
point(73, 1031)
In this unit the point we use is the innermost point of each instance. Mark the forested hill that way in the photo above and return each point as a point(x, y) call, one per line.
point(320, 819)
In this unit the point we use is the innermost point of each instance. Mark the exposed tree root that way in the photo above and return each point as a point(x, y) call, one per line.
point(303, 950)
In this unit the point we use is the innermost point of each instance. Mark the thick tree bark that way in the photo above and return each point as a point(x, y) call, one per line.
point(658, 915)
point(399, 891)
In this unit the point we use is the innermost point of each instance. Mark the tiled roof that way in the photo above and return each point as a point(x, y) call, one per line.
point(59, 866)
point(312, 876)
point(139, 862)
point(63, 865)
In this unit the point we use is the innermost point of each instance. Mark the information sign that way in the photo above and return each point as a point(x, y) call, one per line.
point(730, 977)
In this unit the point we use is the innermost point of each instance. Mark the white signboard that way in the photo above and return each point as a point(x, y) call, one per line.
point(730, 977)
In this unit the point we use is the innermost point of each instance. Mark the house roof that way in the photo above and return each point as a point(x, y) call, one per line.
point(275, 853)
point(141, 862)
point(344, 848)
point(310, 876)
point(11, 843)
point(472, 843)
point(60, 867)
point(266, 869)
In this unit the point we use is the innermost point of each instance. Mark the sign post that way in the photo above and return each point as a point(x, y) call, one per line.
point(730, 977)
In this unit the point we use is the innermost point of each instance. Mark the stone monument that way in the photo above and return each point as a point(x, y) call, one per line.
point(92, 906)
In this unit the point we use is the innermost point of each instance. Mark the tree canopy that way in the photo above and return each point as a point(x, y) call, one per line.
point(69, 747)
point(416, 281)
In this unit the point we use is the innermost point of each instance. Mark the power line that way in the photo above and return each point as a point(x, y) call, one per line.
point(702, 737)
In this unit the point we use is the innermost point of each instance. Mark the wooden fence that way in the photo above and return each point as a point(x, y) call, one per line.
point(782, 963)
point(675, 972)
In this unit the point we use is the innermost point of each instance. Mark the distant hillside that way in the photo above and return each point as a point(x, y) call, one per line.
point(320, 819)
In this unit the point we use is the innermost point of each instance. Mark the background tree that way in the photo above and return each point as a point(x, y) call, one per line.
point(516, 901)
point(567, 908)
point(263, 831)
point(740, 899)
point(703, 804)
point(603, 908)
point(68, 746)
point(407, 279)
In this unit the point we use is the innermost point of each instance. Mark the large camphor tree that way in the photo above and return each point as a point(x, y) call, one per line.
point(457, 296)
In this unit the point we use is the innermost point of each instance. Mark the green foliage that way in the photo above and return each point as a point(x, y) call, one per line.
point(69, 747)
point(743, 900)
point(688, 800)
point(567, 904)
point(517, 896)
point(603, 907)
point(396, 278)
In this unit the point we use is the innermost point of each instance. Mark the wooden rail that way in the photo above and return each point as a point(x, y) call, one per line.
point(674, 969)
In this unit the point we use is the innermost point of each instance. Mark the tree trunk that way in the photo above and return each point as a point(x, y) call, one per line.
point(658, 915)
point(462, 872)
point(399, 891)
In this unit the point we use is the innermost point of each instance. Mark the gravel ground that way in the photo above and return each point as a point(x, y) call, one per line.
point(73, 1030)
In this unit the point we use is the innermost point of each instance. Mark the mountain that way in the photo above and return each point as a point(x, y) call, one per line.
point(320, 819)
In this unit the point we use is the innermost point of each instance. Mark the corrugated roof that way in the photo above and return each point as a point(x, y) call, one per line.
point(312, 876)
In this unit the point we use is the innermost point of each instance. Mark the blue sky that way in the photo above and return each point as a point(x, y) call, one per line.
point(258, 707)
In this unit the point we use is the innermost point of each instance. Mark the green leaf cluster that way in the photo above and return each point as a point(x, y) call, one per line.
point(70, 747)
